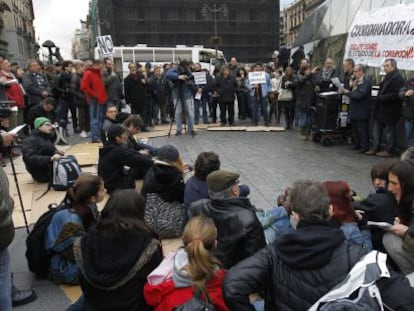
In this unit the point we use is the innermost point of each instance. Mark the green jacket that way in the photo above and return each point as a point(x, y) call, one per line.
point(6, 209)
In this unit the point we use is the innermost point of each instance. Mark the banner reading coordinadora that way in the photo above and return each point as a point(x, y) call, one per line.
point(383, 33)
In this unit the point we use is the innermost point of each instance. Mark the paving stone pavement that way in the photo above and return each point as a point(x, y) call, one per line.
point(267, 162)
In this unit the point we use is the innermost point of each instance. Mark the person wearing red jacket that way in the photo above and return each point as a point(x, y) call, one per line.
point(14, 92)
point(194, 269)
point(93, 87)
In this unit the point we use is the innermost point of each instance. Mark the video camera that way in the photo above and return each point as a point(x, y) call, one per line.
point(5, 111)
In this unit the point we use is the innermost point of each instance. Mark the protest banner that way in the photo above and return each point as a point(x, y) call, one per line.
point(376, 35)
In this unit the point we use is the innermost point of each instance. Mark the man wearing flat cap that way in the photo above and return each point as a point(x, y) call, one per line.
point(240, 233)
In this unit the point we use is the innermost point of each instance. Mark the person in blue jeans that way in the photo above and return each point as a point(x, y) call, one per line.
point(258, 96)
point(201, 96)
point(93, 87)
point(182, 93)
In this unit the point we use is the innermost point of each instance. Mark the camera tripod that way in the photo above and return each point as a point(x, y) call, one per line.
point(18, 188)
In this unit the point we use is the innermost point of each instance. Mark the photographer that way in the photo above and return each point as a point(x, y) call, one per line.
point(66, 97)
point(182, 90)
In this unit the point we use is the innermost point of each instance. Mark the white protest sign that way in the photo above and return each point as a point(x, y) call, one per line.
point(379, 34)
point(105, 45)
point(257, 77)
point(200, 78)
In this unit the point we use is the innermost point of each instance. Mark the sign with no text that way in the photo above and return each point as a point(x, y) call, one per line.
point(105, 45)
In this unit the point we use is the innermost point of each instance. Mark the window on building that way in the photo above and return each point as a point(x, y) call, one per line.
point(163, 56)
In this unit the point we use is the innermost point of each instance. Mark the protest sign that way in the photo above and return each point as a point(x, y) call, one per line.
point(105, 46)
point(257, 77)
point(200, 78)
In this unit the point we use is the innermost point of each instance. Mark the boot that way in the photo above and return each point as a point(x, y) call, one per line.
point(303, 135)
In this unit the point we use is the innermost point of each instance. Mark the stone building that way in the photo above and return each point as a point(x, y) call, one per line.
point(293, 17)
point(19, 31)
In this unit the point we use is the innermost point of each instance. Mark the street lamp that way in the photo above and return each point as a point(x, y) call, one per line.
point(215, 13)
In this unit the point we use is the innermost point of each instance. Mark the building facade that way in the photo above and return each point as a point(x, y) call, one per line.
point(249, 30)
point(80, 43)
point(293, 17)
point(19, 31)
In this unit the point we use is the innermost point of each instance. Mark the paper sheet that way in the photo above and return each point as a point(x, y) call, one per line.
point(338, 84)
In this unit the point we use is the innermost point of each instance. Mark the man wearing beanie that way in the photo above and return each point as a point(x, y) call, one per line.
point(118, 165)
point(39, 150)
point(239, 232)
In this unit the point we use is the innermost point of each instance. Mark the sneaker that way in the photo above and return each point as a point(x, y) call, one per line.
point(83, 134)
point(384, 154)
point(22, 297)
point(371, 152)
point(178, 134)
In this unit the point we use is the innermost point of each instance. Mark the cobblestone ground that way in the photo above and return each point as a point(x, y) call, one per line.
point(268, 163)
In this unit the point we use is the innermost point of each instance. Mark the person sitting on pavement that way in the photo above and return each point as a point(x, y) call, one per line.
point(399, 239)
point(343, 215)
point(163, 191)
point(110, 119)
point(46, 108)
point(240, 233)
point(194, 268)
point(276, 220)
point(196, 187)
point(116, 256)
point(39, 151)
point(134, 124)
point(9, 294)
point(380, 206)
point(67, 224)
point(118, 165)
point(302, 266)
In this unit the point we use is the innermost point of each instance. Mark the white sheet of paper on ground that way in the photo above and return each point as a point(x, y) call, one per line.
point(379, 224)
point(17, 129)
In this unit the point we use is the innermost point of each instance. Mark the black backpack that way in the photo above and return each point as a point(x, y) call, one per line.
point(197, 303)
point(37, 256)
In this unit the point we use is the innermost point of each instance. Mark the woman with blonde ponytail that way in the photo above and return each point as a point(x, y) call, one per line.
point(194, 269)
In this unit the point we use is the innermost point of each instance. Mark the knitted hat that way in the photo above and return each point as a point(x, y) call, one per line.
point(221, 180)
point(168, 153)
point(114, 131)
point(38, 122)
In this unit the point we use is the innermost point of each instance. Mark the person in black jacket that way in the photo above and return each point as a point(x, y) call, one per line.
point(302, 266)
point(387, 110)
point(65, 94)
point(407, 95)
point(225, 86)
point(360, 108)
point(134, 86)
point(39, 151)
point(117, 164)
point(79, 100)
point(116, 256)
point(46, 109)
point(380, 206)
point(240, 233)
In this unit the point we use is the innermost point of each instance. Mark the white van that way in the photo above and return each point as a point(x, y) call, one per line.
point(161, 55)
